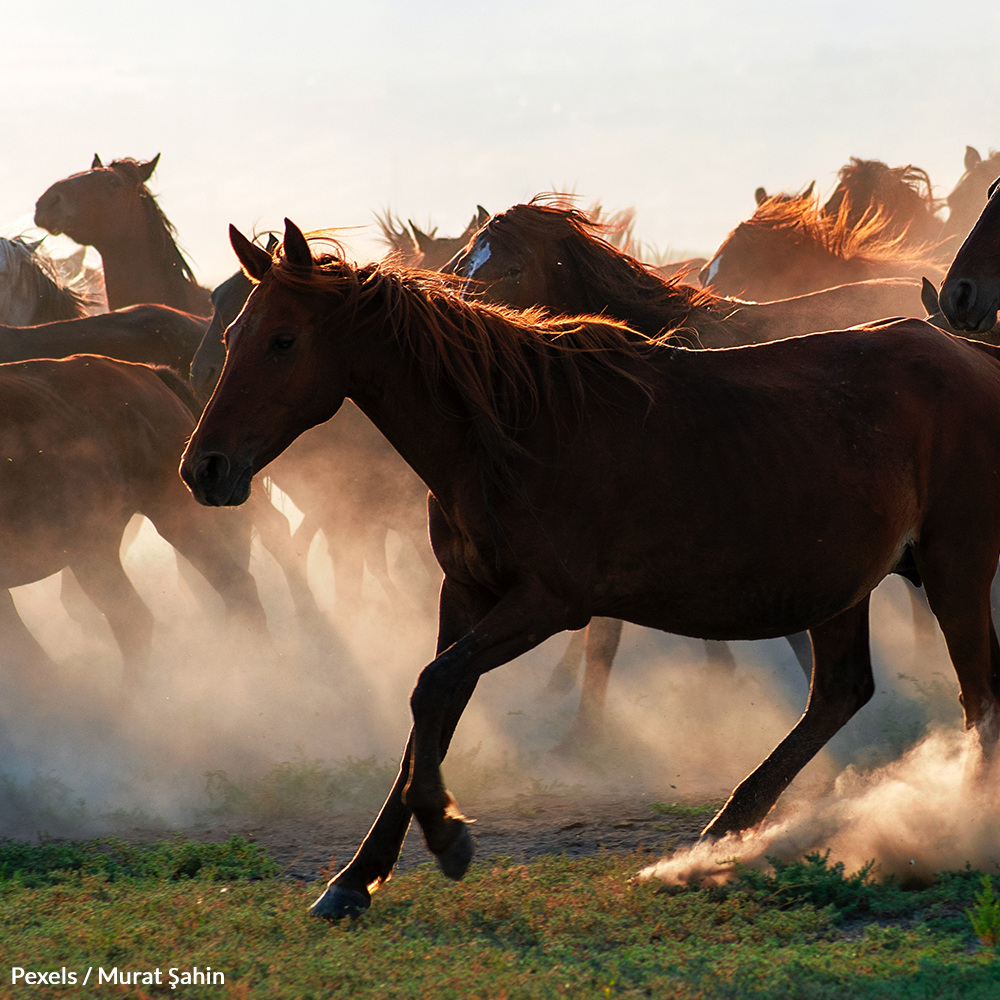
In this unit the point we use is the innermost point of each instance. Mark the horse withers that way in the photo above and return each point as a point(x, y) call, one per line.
point(579, 469)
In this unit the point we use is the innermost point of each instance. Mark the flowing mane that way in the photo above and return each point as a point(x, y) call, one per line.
point(161, 232)
point(873, 240)
point(505, 365)
point(31, 289)
point(608, 279)
point(902, 194)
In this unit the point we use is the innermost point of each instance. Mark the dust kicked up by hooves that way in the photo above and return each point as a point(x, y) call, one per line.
point(935, 808)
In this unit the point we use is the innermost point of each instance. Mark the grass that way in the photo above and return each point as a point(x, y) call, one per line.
point(553, 928)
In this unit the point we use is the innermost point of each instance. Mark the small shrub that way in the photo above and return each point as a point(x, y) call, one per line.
point(985, 915)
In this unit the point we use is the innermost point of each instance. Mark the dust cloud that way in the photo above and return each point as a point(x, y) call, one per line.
point(80, 756)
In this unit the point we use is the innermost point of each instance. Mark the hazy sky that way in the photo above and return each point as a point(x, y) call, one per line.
point(328, 112)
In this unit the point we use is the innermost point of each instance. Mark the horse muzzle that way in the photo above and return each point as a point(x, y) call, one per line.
point(969, 306)
point(215, 481)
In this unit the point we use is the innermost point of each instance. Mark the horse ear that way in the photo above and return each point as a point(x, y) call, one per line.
point(972, 157)
point(146, 169)
point(96, 162)
point(297, 252)
point(482, 216)
point(808, 193)
point(421, 237)
point(272, 243)
point(760, 196)
point(929, 297)
point(255, 262)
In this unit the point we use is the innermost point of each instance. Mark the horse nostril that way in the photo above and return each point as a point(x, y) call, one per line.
point(964, 295)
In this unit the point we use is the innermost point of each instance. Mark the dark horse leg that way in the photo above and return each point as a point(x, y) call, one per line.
point(349, 891)
point(523, 618)
point(277, 538)
point(841, 683)
point(75, 602)
point(104, 581)
point(564, 674)
point(602, 637)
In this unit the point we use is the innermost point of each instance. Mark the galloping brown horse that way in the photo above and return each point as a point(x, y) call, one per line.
point(970, 295)
point(549, 254)
point(85, 443)
point(739, 493)
point(111, 209)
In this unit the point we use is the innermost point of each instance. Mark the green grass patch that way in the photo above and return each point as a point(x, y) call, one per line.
point(678, 810)
point(556, 927)
point(34, 865)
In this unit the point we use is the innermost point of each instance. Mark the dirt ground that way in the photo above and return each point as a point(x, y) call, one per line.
point(520, 828)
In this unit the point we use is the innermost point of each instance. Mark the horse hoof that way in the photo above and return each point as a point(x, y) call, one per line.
point(454, 860)
point(338, 902)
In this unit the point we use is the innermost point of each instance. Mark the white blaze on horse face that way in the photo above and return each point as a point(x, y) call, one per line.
point(713, 269)
point(478, 255)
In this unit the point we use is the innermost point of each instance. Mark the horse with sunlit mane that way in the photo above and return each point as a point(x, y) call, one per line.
point(577, 468)
point(902, 195)
point(111, 209)
point(793, 247)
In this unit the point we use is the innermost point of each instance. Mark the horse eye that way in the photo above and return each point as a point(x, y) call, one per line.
point(513, 272)
point(282, 341)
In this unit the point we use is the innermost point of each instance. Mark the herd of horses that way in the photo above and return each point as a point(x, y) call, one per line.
point(602, 439)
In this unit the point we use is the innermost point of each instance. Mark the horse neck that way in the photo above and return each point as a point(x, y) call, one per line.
point(139, 268)
point(643, 300)
point(389, 388)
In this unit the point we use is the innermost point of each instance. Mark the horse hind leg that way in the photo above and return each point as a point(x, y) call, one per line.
point(967, 624)
point(841, 683)
point(602, 637)
point(564, 674)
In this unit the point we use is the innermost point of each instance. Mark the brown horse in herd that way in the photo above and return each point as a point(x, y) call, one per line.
point(970, 295)
point(793, 247)
point(111, 209)
point(549, 254)
point(970, 194)
point(85, 443)
point(738, 493)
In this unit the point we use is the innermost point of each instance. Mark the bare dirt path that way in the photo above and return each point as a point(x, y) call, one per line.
point(519, 828)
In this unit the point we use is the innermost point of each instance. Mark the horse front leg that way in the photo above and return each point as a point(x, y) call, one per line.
point(522, 619)
point(348, 893)
point(841, 683)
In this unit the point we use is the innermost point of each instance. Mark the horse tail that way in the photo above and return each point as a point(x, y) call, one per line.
point(180, 387)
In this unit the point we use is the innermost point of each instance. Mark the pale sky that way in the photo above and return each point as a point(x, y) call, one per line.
point(328, 112)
